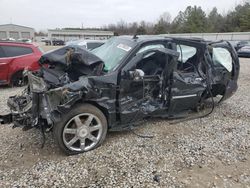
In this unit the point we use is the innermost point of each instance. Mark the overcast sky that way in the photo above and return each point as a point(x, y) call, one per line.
point(50, 14)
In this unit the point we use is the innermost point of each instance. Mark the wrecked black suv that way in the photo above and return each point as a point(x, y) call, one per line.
point(80, 95)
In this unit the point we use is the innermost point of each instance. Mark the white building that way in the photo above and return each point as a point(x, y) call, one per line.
point(16, 32)
point(71, 34)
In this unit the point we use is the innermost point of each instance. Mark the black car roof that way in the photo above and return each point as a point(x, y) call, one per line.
point(150, 38)
point(142, 38)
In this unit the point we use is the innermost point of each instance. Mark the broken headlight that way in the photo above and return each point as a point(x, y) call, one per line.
point(36, 83)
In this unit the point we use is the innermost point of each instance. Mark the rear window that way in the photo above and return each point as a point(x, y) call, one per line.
point(12, 51)
point(1, 52)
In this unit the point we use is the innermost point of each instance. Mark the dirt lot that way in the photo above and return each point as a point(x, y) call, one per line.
point(209, 152)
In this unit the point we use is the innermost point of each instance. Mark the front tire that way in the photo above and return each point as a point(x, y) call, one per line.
point(82, 129)
point(18, 80)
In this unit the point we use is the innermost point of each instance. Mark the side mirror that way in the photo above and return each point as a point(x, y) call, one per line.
point(137, 74)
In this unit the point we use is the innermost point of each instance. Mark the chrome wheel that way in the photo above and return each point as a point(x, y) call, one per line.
point(83, 132)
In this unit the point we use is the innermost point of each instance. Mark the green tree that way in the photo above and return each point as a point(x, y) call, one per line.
point(215, 21)
point(163, 24)
point(178, 23)
point(196, 20)
point(238, 19)
point(141, 30)
point(192, 20)
point(244, 16)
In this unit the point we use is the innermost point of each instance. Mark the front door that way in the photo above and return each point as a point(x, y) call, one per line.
point(144, 84)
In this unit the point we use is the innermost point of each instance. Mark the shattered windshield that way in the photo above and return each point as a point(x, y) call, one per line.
point(113, 51)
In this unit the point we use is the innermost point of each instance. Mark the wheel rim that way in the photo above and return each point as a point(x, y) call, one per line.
point(83, 132)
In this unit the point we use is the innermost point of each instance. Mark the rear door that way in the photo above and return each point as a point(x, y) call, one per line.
point(189, 77)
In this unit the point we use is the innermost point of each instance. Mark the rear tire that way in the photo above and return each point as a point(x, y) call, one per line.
point(82, 129)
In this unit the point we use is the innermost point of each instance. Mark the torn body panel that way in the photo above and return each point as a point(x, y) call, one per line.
point(225, 68)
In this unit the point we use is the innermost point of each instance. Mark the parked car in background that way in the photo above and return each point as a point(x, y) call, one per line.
point(87, 44)
point(24, 40)
point(44, 39)
point(241, 44)
point(16, 57)
point(54, 42)
point(57, 42)
point(244, 51)
point(47, 41)
point(8, 39)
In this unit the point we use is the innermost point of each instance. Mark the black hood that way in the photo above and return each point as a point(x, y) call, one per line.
point(74, 60)
point(70, 55)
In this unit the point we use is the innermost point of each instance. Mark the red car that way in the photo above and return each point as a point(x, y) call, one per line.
point(16, 57)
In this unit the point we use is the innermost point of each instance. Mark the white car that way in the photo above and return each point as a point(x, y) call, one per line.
point(24, 40)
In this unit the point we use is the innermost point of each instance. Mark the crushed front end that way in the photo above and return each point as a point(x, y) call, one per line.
point(39, 106)
point(52, 90)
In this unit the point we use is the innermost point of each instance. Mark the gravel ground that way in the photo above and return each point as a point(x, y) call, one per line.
point(209, 152)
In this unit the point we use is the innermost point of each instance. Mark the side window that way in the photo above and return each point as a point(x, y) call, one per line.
point(222, 57)
point(12, 51)
point(188, 58)
point(151, 46)
point(186, 52)
point(2, 53)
